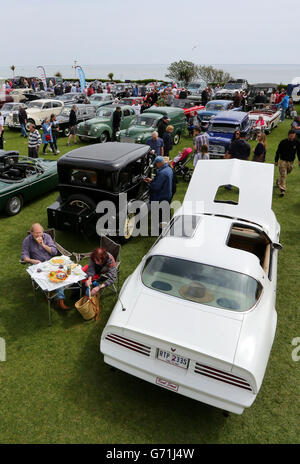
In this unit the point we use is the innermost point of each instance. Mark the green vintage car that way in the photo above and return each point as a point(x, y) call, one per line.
point(142, 127)
point(22, 179)
point(99, 129)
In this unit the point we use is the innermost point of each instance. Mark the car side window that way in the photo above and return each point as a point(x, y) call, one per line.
point(126, 113)
point(47, 105)
point(83, 177)
point(124, 179)
point(56, 105)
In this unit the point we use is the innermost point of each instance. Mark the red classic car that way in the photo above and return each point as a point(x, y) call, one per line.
point(131, 100)
point(188, 106)
point(5, 99)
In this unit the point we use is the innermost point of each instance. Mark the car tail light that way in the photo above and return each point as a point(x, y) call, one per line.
point(130, 344)
point(222, 376)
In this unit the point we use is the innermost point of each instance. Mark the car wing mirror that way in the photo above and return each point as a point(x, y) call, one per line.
point(277, 246)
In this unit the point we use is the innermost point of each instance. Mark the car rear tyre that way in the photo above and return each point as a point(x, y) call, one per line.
point(29, 122)
point(13, 205)
point(104, 137)
point(176, 139)
point(81, 201)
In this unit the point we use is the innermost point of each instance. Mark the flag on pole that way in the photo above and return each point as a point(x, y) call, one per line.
point(43, 76)
point(81, 76)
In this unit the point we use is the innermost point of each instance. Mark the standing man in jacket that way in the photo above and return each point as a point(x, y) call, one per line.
point(284, 105)
point(23, 120)
point(286, 153)
point(72, 124)
point(162, 125)
point(161, 191)
point(116, 122)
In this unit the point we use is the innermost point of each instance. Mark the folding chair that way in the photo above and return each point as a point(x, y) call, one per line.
point(59, 248)
point(49, 295)
point(114, 249)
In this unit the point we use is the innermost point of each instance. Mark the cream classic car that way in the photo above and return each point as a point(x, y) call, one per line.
point(198, 316)
point(37, 111)
point(18, 94)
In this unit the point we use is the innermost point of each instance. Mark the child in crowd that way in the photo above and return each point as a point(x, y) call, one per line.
point(203, 155)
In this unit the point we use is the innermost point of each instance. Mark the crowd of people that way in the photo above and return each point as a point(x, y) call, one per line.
point(161, 141)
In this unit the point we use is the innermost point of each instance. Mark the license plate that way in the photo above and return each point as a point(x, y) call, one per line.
point(172, 358)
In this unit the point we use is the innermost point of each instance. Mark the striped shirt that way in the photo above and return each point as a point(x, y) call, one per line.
point(34, 139)
point(201, 140)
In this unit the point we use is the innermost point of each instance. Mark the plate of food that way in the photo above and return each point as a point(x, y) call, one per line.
point(57, 276)
point(58, 260)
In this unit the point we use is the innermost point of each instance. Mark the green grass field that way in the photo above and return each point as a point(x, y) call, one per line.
point(55, 387)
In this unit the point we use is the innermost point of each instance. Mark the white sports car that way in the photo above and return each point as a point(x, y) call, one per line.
point(198, 316)
point(270, 117)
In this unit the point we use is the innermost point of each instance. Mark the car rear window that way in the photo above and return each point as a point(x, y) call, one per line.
point(201, 283)
point(90, 178)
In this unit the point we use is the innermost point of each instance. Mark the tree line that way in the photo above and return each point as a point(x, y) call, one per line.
point(186, 72)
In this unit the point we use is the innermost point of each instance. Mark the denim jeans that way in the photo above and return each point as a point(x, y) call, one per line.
point(283, 111)
point(46, 145)
point(23, 130)
point(86, 290)
point(60, 293)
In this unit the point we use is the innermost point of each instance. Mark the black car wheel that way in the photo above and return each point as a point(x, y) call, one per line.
point(104, 137)
point(176, 139)
point(67, 132)
point(81, 201)
point(13, 205)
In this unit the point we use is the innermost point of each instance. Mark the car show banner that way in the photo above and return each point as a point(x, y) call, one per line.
point(43, 76)
point(81, 76)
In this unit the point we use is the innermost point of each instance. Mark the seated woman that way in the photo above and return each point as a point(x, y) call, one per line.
point(101, 262)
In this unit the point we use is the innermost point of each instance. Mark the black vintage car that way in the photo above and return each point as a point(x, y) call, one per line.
point(121, 90)
point(32, 95)
point(73, 97)
point(84, 112)
point(111, 172)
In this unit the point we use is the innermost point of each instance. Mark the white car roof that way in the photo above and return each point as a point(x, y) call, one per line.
point(255, 183)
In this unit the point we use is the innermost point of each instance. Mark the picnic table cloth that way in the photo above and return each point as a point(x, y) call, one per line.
point(41, 278)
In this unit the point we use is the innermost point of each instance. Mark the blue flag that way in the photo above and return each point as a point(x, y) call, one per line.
point(81, 76)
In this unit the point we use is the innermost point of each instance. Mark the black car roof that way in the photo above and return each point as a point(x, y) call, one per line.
point(111, 156)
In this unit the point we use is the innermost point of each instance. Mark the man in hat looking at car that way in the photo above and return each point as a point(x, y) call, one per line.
point(161, 190)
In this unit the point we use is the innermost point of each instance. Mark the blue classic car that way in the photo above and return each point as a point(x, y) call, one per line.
point(212, 108)
point(222, 128)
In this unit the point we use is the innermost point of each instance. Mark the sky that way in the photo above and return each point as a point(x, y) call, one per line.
point(149, 31)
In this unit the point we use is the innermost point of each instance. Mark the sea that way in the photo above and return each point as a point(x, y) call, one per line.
point(253, 73)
